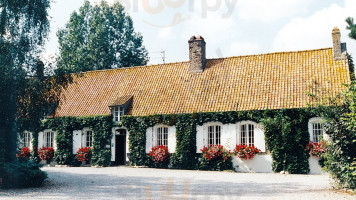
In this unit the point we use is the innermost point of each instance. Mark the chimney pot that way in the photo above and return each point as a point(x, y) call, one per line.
point(197, 55)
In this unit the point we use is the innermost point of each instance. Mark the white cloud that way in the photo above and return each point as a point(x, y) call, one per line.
point(267, 10)
point(314, 31)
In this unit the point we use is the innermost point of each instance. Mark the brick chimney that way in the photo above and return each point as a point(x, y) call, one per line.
point(197, 54)
point(339, 49)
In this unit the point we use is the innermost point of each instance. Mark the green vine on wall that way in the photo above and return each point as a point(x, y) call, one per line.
point(286, 134)
point(64, 127)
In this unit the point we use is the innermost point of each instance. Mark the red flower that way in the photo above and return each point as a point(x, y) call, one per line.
point(246, 152)
point(84, 154)
point(46, 153)
point(316, 149)
point(159, 153)
point(214, 152)
point(24, 152)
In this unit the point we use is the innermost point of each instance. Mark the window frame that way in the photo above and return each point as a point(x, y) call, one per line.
point(118, 111)
point(84, 138)
point(27, 139)
point(214, 134)
point(318, 121)
point(48, 142)
point(162, 135)
point(249, 133)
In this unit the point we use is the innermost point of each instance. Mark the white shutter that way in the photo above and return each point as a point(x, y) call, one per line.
point(149, 139)
point(40, 140)
point(200, 138)
point(54, 140)
point(113, 146)
point(31, 139)
point(228, 136)
point(76, 140)
point(172, 139)
point(260, 138)
point(127, 142)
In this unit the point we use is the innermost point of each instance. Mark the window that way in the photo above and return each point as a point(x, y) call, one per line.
point(26, 139)
point(317, 132)
point(247, 134)
point(88, 138)
point(162, 136)
point(214, 135)
point(48, 139)
point(118, 112)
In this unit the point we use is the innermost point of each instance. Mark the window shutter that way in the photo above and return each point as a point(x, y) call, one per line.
point(113, 146)
point(201, 138)
point(54, 140)
point(77, 135)
point(31, 139)
point(172, 139)
point(149, 138)
point(40, 140)
point(260, 138)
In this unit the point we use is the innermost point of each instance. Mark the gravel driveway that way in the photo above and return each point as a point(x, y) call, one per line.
point(145, 183)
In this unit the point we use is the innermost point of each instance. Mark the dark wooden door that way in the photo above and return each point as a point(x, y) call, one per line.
point(120, 149)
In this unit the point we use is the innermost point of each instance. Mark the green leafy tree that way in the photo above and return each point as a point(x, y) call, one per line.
point(352, 27)
point(24, 27)
point(98, 37)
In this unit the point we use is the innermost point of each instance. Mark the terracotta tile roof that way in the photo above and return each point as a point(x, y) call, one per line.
point(256, 82)
point(121, 100)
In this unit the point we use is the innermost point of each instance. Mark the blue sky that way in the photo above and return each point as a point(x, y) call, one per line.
point(230, 27)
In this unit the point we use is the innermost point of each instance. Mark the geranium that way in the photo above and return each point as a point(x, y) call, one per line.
point(46, 153)
point(159, 154)
point(24, 152)
point(215, 152)
point(246, 152)
point(316, 149)
point(84, 154)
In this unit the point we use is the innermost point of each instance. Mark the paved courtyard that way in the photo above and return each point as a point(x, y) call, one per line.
point(145, 183)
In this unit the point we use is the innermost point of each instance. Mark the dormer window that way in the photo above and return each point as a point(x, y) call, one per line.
point(119, 106)
point(118, 112)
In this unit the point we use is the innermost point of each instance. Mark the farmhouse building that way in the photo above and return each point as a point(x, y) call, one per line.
point(202, 87)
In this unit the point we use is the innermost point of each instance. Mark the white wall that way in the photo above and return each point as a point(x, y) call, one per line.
point(314, 166)
point(230, 135)
point(151, 138)
point(259, 164)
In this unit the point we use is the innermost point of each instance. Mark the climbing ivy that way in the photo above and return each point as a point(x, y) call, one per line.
point(286, 133)
point(64, 127)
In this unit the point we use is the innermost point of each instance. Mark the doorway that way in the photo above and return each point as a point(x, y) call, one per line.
point(120, 146)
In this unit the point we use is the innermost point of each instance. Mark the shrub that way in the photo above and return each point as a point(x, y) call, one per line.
point(316, 149)
point(246, 152)
point(46, 153)
point(159, 156)
point(84, 154)
point(216, 157)
point(19, 175)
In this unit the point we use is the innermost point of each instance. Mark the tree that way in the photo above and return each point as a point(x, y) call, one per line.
point(98, 37)
point(352, 27)
point(24, 27)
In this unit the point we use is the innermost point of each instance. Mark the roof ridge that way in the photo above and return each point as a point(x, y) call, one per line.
point(181, 62)
point(272, 53)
